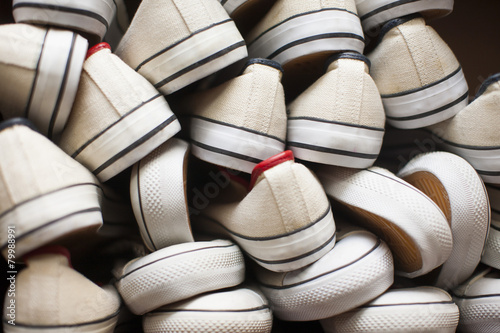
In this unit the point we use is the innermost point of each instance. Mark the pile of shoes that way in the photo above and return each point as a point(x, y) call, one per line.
point(235, 166)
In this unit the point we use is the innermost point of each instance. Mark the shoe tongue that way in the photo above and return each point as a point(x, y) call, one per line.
point(55, 250)
point(271, 162)
point(96, 48)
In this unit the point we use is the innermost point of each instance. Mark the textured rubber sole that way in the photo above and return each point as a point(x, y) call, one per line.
point(158, 195)
point(128, 140)
point(479, 314)
point(90, 16)
point(327, 30)
point(374, 13)
point(334, 143)
point(230, 146)
point(195, 57)
point(45, 218)
point(428, 105)
point(178, 272)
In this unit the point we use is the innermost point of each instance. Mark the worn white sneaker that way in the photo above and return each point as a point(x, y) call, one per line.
point(412, 225)
point(44, 194)
point(469, 134)
point(409, 310)
point(241, 309)
point(283, 220)
point(50, 296)
point(118, 116)
point(479, 302)
point(453, 184)
point(174, 43)
point(358, 269)
point(178, 272)
point(419, 78)
point(246, 13)
point(293, 29)
point(242, 122)
point(340, 119)
point(39, 73)
point(158, 195)
point(491, 255)
point(374, 13)
point(92, 17)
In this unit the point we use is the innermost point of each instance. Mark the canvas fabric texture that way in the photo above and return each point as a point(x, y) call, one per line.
point(284, 9)
point(410, 56)
point(30, 165)
point(472, 125)
point(254, 100)
point(108, 90)
point(52, 293)
point(345, 93)
point(166, 22)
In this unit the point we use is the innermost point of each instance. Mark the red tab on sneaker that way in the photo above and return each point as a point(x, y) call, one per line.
point(96, 48)
point(271, 162)
point(49, 249)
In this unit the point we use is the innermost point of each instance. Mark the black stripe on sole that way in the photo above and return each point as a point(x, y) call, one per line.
point(226, 152)
point(332, 151)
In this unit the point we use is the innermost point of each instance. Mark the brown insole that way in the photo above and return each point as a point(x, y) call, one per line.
point(433, 188)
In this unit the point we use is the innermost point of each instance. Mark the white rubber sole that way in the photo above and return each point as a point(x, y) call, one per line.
point(199, 55)
point(327, 30)
point(427, 314)
point(336, 291)
point(374, 13)
point(45, 218)
point(454, 184)
point(491, 255)
point(158, 195)
point(334, 143)
point(128, 140)
point(486, 160)
point(179, 272)
point(232, 147)
point(89, 16)
point(56, 80)
point(479, 314)
point(286, 252)
point(235, 310)
point(411, 224)
point(429, 105)
point(102, 326)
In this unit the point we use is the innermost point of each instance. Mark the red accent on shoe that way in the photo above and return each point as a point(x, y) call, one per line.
point(49, 249)
point(97, 48)
point(233, 175)
point(271, 162)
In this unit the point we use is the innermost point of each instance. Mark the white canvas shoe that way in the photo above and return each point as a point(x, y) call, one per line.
point(294, 29)
point(90, 17)
point(246, 13)
point(412, 225)
point(44, 194)
point(491, 255)
point(241, 309)
point(174, 43)
point(408, 310)
point(118, 116)
point(39, 74)
point(51, 297)
point(178, 272)
point(358, 269)
point(282, 220)
point(242, 122)
point(374, 13)
point(340, 119)
point(453, 184)
point(158, 195)
point(419, 78)
point(469, 134)
point(479, 302)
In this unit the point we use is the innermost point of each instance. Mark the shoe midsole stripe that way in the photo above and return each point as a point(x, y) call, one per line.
point(332, 150)
point(136, 144)
point(256, 309)
point(379, 129)
point(200, 63)
point(375, 247)
point(226, 152)
point(35, 78)
point(429, 113)
point(64, 9)
point(386, 7)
